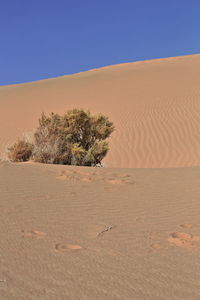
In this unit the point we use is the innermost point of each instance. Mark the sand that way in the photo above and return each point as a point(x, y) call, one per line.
point(154, 105)
point(64, 237)
point(127, 231)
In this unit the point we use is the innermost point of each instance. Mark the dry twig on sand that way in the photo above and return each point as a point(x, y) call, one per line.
point(105, 230)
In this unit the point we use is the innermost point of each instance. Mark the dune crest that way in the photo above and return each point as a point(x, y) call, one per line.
point(154, 105)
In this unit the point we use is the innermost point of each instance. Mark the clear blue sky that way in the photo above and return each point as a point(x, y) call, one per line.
point(45, 38)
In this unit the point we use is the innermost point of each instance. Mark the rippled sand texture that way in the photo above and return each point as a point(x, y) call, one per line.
point(65, 237)
point(131, 232)
point(154, 104)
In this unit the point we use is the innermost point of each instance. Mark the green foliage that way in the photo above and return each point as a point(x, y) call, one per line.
point(20, 151)
point(76, 138)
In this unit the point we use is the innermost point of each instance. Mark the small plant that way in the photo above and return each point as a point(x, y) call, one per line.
point(20, 151)
point(75, 138)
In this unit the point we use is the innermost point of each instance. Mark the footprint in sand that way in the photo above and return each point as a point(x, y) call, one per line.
point(120, 180)
point(61, 177)
point(183, 240)
point(68, 175)
point(114, 179)
point(66, 247)
point(156, 246)
point(186, 225)
point(34, 234)
point(86, 179)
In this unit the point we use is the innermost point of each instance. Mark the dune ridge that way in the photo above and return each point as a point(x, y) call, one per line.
point(154, 105)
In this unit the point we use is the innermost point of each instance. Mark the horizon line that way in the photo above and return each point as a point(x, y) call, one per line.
point(103, 67)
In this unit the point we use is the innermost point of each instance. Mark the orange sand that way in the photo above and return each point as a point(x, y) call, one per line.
point(154, 105)
point(106, 233)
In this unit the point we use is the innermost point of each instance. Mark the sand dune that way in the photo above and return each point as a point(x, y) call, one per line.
point(121, 234)
point(154, 104)
point(127, 232)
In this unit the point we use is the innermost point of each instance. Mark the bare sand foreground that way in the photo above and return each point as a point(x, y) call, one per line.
point(128, 231)
point(90, 233)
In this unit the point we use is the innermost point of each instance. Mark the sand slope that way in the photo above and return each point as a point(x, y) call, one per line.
point(87, 233)
point(155, 106)
point(106, 233)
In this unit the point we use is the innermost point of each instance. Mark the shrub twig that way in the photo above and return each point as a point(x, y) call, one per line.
point(105, 230)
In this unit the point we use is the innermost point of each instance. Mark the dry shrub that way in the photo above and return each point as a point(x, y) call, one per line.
point(20, 151)
point(75, 138)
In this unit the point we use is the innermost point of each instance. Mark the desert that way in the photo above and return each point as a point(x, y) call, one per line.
point(127, 230)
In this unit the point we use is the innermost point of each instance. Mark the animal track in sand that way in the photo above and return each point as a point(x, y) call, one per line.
point(61, 177)
point(86, 179)
point(34, 234)
point(115, 181)
point(178, 239)
point(183, 240)
point(186, 225)
point(65, 247)
point(118, 179)
point(156, 246)
point(96, 176)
